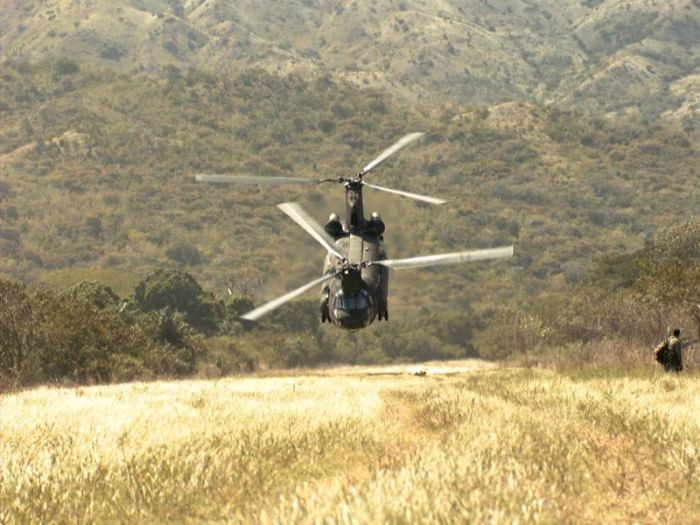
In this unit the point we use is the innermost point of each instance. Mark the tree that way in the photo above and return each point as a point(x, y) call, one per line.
point(302, 315)
point(179, 291)
point(80, 339)
point(236, 305)
point(96, 293)
point(17, 328)
point(672, 275)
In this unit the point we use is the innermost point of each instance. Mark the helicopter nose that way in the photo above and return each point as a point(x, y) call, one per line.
point(352, 311)
point(352, 320)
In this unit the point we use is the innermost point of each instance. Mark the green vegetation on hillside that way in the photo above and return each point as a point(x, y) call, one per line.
point(624, 309)
point(87, 334)
point(99, 173)
point(98, 185)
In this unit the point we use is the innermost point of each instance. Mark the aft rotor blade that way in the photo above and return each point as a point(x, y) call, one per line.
point(256, 314)
point(303, 219)
point(401, 143)
point(253, 179)
point(416, 196)
point(447, 258)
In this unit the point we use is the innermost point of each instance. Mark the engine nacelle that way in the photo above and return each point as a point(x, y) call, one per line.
point(334, 227)
point(375, 225)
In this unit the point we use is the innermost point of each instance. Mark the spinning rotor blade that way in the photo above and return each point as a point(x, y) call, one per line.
point(416, 196)
point(252, 179)
point(256, 314)
point(402, 142)
point(447, 258)
point(303, 219)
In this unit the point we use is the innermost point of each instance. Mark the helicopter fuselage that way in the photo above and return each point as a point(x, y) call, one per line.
point(358, 295)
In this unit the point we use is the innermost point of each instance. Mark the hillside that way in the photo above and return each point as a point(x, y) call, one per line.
point(98, 179)
point(623, 56)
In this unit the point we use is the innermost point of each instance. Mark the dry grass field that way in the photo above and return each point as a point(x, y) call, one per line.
point(468, 443)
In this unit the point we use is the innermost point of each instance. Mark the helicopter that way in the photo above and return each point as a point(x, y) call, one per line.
point(355, 280)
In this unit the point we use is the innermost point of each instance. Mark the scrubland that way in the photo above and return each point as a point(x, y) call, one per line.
point(471, 443)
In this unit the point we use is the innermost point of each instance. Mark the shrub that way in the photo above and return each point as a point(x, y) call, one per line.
point(65, 66)
point(180, 292)
point(98, 294)
point(79, 340)
point(184, 253)
point(237, 305)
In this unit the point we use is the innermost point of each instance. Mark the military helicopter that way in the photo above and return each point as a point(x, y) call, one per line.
point(355, 281)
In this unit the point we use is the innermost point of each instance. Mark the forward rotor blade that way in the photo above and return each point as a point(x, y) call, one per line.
point(303, 219)
point(252, 179)
point(416, 196)
point(256, 314)
point(402, 142)
point(447, 258)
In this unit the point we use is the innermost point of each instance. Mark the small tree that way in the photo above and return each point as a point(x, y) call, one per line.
point(178, 291)
point(94, 292)
point(672, 275)
point(17, 328)
point(236, 305)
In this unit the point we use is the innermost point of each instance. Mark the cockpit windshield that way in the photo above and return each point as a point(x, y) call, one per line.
point(351, 302)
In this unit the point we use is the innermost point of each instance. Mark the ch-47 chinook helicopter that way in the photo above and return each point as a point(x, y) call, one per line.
point(355, 282)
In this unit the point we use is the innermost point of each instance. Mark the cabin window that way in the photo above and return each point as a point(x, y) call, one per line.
point(352, 302)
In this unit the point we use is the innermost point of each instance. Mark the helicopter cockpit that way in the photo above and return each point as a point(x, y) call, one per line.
point(352, 311)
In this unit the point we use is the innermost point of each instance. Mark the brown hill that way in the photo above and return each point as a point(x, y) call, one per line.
point(620, 55)
point(97, 180)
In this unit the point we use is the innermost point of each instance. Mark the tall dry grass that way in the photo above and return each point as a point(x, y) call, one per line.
point(492, 445)
point(607, 355)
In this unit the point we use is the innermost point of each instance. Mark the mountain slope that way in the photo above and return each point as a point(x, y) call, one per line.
point(618, 55)
point(97, 174)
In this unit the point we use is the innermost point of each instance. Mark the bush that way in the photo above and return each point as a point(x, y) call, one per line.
point(79, 341)
point(65, 66)
point(79, 335)
point(302, 315)
point(184, 253)
point(229, 356)
point(97, 294)
point(237, 305)
point(180, 292)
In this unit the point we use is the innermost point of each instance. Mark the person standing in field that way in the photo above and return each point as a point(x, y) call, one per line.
point(668, 352)
point(675, 355)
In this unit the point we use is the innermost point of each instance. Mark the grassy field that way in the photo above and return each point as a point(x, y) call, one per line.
point(471, 443)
